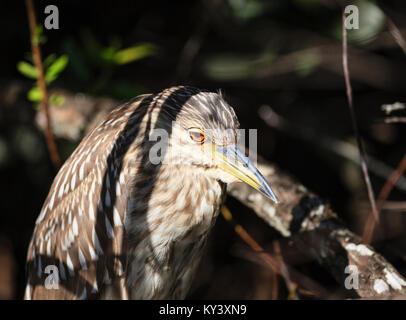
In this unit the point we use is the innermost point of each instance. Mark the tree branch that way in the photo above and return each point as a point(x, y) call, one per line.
point(36, 54)
point(317, 230)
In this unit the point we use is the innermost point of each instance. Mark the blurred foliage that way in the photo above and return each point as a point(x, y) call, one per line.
point(52, 68)
point(371, 22)
point(52, 65)
point(133, 53)
point(307, 62)
point(88, 62)
point(247, 9)
point(238, 65)
point(91, 60)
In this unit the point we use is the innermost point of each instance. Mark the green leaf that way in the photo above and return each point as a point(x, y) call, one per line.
point(56, 68)
point(49, 60)
point(27, 69)
point(134, 53)
point(39, 30)
point(57, 99)
point(108, 53)
point(39, 38)
point(34, 94)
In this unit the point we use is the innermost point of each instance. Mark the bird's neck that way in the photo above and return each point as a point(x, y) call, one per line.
point(174, 204)
point(189, 199)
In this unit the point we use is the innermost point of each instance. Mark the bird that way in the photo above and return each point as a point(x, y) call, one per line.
point(129, 212)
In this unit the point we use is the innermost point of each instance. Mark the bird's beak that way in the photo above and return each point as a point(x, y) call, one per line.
point(235, 162)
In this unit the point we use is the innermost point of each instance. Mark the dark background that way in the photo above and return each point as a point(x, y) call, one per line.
point(285, 54)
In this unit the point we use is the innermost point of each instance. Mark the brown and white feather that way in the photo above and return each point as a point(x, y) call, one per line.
point(118, 227)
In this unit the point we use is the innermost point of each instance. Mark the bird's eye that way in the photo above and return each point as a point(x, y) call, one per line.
point(196, 135)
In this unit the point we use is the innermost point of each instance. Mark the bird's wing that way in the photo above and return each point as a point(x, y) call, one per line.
point(79, 235)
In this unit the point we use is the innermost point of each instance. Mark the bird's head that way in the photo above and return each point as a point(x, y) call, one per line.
point(203, 135)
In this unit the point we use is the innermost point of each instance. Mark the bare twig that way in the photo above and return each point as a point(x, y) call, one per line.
point(276, 264)
point(394, 31)
point(36, 54)
point(354, 122)
point(313, 288)
point(383, 195)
